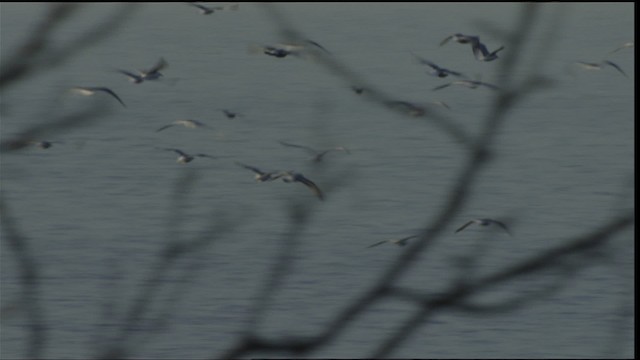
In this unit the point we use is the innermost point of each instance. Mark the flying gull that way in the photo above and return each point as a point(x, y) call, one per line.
point(88, 91)
point(400, 242)
point(484, 222)
point(150, 74)
point(317, 155)
point(479, 49)
point(184, 157)
point(291, 176)
point(435, 69)
point(600, 66)
point(192, 124)
point(472, 84)
point(260, 175)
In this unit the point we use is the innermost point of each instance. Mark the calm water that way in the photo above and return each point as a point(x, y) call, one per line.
point(98, 208)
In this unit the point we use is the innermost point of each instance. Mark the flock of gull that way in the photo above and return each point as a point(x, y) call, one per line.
point(478, 49)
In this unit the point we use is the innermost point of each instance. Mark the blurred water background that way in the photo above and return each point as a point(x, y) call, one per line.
point(98, 207)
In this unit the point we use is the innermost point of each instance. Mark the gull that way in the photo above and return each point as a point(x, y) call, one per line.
point(261, 176)
point(317, 155)
point(472, 84)
point(481, 53)
point(479, 49)
point(184, 157)
point(192, 124)
point(460, 38)
point(203, 9)
point(600, 66)
point(623, 46)
point(405, 106)
point(230, 114)
point(437, 70)
point(43, 144)
point(400, 242)
point(291, 176)
point(88, 91)
point(357, 89)
point(151, 74)
point(283, 50)
point(484, 222)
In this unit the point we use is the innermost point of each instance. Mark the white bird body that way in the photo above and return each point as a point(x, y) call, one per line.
point(192, 124)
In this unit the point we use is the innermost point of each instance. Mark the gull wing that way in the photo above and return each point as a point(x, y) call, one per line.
point(110, 92)
point(464, 226)
point(132, 76)
point(177, 151)
point(254, 169)
point(161, 64)
point(310, 184)
point(377, 244)
point(446, 40)
point(311, 150)
point(502, 225)
point(441, 86)
point(165, 127)
point(612, 64)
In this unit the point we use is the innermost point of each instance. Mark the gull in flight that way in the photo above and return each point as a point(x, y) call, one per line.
point(261, 176)
point(43, 144)
point(204, 10)
point(184, 157)
point(358, 89)
point(282, 50)
point(484, 222)
point(88, 91)
point(481, 53)
point(286, 176)
point(151, 74)
point(460, 38)
point(317, 155)
point(623, 46)
point(400, 242)
point(230, 114)
point(192, 124)
point(437, 70)
point(290, 176)
point(479, 49)
point(472, 84)
point(600, 66)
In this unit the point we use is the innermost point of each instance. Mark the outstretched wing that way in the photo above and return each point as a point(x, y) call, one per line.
point(254, 169)
point(446, 40)
point(612, 64)
point(441, 86)
point(110, 92)
point(310, 184)
point(161, 64)
point(378, 243)
point(311, 150)
point(464, 226)
point(502, 225)
point(164, 127)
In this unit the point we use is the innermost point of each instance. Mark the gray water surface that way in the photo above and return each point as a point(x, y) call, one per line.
point(98, 208)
